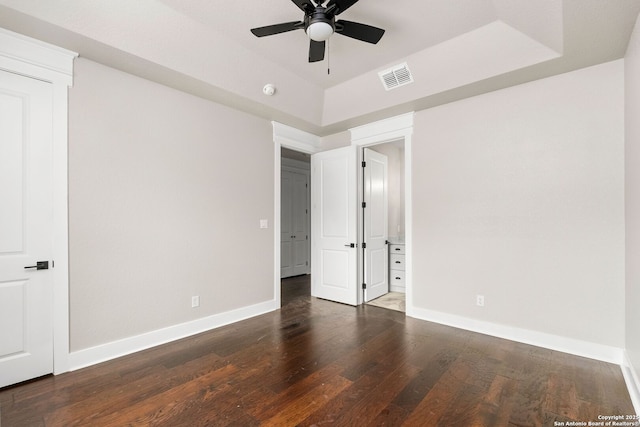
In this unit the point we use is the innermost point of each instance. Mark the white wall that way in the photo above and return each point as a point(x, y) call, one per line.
point(632, 195)
point(166, 193)
point(336, 140)
point(518, 195)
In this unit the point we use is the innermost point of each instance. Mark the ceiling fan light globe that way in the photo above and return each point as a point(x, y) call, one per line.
point(319, 31)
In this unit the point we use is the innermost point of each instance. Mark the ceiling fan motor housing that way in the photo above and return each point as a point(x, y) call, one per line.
point(318, 25)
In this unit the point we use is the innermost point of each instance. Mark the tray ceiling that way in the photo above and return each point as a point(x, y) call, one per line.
point(454, 49)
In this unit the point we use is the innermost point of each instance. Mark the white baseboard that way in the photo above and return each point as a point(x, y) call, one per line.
point(102, 353)
point(633, 382)
point(540, 339)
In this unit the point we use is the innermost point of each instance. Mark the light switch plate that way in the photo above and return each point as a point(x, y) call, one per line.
point(264, 223)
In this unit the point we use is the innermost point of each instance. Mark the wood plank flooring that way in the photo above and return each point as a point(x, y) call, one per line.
point(316, 363)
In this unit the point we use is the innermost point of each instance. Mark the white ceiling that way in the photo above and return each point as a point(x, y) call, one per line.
point(454, 48)
point(404, 21)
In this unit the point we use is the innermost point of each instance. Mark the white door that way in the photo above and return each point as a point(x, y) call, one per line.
point(286, 224)
point(300, 215)
point(294, 224)
point(375, 213)
point(333, 216)
point(26, 223)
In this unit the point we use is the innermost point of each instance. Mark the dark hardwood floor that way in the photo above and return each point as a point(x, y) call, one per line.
point(316, 363)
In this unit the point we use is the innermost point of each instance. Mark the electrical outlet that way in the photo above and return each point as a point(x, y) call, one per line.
point(480, 300)
point(195, 301)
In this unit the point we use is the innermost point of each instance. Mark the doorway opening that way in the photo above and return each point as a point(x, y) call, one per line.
point(295, 230)
point(396, 131)
point(295, 208)
point(292, 148)
point(389, 196)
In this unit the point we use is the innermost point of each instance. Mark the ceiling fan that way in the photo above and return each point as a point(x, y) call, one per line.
point(320, 23)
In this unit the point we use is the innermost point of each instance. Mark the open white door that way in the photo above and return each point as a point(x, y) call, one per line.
point(334, 215)
point(26, 229)
point(376, 213)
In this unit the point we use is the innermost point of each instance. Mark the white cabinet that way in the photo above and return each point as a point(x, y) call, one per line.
point(294, 225)
point(396, 267)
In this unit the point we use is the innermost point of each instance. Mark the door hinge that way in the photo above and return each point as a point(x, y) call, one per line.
point(306, 237)
point(364, 164)
point(364, 204)
point(364, 286)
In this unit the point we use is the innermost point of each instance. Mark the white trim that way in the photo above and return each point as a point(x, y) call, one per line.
point(277, 183)
point(632, 380)
point(60, 271)
point(35, 59)
point(295, 139)
point(387, 130)
point(540, 339)
point(285, 136)
point(102, 353)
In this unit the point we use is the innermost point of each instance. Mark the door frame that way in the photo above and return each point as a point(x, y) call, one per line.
point(38, 60)
point(398, 128)
point(295, 139)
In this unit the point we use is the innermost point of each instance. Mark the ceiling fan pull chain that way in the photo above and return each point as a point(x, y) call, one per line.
point(328, 57)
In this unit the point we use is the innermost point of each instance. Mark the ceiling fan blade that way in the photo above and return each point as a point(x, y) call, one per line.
point(305, 5)
point(359, 31)
point(341, 5)
point(270, 30)
point(316, 51)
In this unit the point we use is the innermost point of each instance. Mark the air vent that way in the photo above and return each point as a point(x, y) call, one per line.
point(396, 76)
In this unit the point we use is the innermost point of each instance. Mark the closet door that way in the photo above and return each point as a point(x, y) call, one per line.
point(300, 228)
point(286, 224)
point(294, 225)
